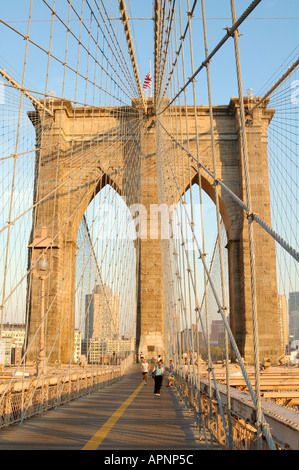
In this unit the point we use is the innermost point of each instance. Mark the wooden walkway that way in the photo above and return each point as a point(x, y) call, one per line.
point(123, 416)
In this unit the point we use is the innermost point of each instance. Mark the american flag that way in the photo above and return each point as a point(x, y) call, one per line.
point(147, 81)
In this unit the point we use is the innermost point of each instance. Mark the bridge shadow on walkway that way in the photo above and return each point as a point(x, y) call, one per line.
point(148, 422)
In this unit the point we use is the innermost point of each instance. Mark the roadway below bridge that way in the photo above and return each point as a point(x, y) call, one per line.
point(123, 416)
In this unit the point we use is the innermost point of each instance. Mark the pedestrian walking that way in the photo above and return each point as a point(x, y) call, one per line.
point(144, 368)
point(171, 374)
point(158, 373)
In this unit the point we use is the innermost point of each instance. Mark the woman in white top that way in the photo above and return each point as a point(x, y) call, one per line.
point(144, 369)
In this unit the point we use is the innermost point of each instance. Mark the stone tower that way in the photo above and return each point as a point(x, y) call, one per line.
point(72, 135)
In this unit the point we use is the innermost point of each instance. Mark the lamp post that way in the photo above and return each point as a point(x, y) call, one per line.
point(41, 270)
point(43, 267)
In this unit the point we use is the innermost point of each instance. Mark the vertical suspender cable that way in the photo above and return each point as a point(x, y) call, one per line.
point(224, 303)
point(250, 230)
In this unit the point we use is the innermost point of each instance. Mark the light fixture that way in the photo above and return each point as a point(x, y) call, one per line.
point(43, 264)
point(41, 270)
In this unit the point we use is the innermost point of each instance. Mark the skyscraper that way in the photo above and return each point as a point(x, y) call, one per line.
point(102, 314)
point(294, 314)
point(283, 321)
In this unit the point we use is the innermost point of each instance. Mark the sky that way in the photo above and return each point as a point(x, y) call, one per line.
point(267, 38)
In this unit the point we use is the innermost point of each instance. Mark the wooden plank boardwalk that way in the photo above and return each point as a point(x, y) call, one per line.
point(123, 416)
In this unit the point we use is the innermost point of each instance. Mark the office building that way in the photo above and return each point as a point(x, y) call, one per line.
point(294, 315)
point(102, 314)
point(283, 321)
